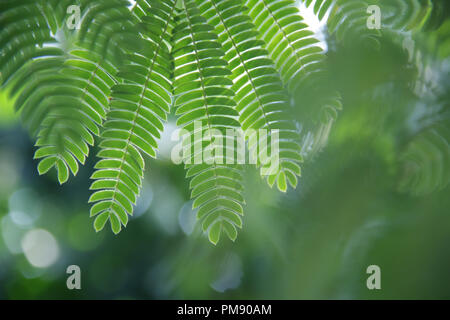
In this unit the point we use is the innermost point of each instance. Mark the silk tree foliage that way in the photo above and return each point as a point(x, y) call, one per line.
point(114, 80)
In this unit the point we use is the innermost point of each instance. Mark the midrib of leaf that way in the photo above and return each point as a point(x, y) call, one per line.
point(97, 66)
point(93, 73)
point(139, 107)
point(242, 62)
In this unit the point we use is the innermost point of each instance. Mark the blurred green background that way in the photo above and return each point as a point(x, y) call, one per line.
point(376, 195)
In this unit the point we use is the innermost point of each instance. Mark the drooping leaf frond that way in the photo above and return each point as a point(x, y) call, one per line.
point(261, 100)
point(76, 109)
point(302, 65)
point(203, 97)
point(89, 75)
point(135, 119)
point(290, 44)
point(223, 64)
point(66, 105)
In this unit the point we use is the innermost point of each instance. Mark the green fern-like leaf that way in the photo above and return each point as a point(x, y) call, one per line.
point(76, 110)
point(261, 100)
point(289, 42)
point(66, 108)
point(302, 65)
point(203, 95)
point(135, 119)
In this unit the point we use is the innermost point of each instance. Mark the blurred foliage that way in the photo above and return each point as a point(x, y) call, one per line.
point(6, 111)
point(377, 194)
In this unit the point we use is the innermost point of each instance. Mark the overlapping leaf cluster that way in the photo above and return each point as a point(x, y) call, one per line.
point(116, 77)
point(228, 64)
